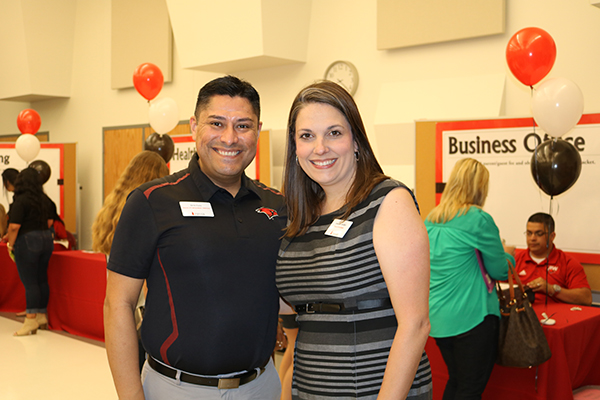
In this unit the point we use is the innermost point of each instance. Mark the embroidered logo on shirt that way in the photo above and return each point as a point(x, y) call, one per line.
point(269, 212)
point(552, 269)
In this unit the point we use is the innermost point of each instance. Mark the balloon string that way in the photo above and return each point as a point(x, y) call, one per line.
point(548, 246)
point(532, 119)
point(537, 172)
point(535, 152)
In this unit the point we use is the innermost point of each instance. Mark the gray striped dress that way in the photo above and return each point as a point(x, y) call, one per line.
point(342, 355)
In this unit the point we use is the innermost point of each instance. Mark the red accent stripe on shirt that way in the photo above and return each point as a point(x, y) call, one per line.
point(151, 189)
point(264, 187)
point(173, 336)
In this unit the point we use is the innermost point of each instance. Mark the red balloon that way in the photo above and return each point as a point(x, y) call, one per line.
point(530, 55)
point(148, 80)
point(29, 121)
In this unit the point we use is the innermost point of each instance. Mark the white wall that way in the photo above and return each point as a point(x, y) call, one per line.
point(339, 29)
point(9, 110)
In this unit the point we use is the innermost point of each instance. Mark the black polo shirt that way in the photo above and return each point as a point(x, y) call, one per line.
point(212, 302)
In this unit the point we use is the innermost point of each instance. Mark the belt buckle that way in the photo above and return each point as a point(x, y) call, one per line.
point(229, 383)
point(310, 308)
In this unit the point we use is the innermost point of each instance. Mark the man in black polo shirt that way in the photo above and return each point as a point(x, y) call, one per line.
point(205, 239)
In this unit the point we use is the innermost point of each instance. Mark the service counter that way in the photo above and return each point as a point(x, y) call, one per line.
point(575, 344)
point(77, 282)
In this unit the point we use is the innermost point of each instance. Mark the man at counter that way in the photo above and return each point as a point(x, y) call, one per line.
point(548, 270)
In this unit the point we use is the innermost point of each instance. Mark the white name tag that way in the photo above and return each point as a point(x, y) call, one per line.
point(338, 228)
point(196, 209)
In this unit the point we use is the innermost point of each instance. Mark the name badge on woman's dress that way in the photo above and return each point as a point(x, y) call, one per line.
point(338, 228)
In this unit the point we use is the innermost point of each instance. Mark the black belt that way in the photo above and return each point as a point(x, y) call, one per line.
point(311, 308)
point(222, 383)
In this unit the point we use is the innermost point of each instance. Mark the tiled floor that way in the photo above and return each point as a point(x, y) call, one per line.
point(57, 366)
point(51, 366)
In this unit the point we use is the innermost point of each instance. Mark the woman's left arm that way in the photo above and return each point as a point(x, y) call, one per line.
point(11, 235)
point(402, 248)
point(494, 253)
point(53, 212)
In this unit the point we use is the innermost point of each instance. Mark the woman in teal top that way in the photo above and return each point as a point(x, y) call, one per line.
point(464, 316)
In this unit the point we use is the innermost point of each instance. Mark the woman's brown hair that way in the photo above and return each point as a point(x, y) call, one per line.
point(304, 197)
point(144, 167)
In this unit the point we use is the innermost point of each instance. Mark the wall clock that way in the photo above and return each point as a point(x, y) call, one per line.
point(343, 73)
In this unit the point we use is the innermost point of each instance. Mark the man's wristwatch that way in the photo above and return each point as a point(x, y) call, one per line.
point(557, 289)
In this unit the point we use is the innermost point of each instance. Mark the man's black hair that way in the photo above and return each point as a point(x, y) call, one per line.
point(228, 86)
point(545, 219)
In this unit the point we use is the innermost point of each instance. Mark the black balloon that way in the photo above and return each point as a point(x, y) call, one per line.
point(43, 168)
point(555, 166)
point(162, 144)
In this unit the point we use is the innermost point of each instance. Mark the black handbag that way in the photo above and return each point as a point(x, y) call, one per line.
point(522, 342)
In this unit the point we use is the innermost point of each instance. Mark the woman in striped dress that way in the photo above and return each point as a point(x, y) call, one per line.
point(354, 261)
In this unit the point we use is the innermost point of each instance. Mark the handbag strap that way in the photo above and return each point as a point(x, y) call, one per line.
point(512, 269)
point(512, 275)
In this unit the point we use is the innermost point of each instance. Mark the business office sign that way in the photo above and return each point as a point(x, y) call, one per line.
point(506, 148)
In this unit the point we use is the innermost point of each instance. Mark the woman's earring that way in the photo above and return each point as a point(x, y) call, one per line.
point(297, 163)
point(356, 154)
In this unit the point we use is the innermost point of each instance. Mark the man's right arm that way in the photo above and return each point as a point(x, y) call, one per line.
point(120, 334)
point(582, 296)
point(577, 290)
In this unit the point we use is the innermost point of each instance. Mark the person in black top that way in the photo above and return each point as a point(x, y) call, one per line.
point(205, 239)
point(8, 179)
point(8, 183)
point(30, 239)
point(9, 175)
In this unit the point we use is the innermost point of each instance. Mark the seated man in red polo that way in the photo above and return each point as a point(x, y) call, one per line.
point(566, 278)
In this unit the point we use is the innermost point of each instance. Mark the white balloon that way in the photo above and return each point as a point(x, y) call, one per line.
point(27, 146)
point(557, 106)
point(164, 115)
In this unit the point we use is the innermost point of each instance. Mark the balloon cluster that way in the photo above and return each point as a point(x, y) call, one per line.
point(28, 145)
point(556, 105)
point(163, 113)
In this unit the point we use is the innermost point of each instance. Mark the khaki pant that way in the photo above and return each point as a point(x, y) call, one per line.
point(159, 387)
